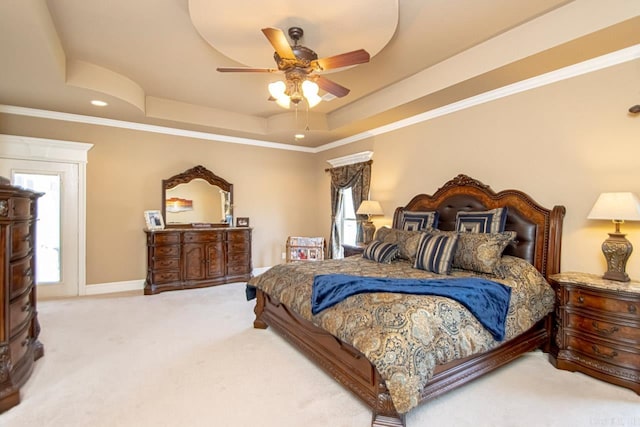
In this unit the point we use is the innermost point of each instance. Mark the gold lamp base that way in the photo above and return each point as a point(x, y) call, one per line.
point(616, 250)
point(368, 230)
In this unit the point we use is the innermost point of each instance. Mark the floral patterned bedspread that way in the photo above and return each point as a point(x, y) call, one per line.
point(406, 336)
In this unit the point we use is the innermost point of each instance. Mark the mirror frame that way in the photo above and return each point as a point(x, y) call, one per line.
point(187, 176)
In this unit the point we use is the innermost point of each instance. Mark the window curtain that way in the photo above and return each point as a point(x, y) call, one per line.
point(358, 177)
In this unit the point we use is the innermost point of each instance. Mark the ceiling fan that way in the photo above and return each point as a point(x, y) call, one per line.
point(298, 63)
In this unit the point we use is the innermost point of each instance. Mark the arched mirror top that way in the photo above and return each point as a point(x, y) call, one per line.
point(197, 196)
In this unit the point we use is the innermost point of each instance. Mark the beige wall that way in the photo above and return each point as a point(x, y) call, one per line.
point(274, 188)
point(563, 144)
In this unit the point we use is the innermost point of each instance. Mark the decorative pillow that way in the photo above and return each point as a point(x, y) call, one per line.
point(435, 252)
point(481, 252)
point(407, 241)
point(492, 221)
point(382, 233)
point(413, 221)
point(380, 252)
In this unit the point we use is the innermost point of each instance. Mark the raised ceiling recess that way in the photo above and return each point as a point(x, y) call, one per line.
point(331, 27)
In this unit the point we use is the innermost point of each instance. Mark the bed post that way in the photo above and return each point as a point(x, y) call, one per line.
point(258, 309)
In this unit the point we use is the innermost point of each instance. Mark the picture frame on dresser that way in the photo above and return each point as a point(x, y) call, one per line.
point(242, 221)
point(153, 220)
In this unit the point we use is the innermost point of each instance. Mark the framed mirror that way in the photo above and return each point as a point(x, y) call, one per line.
point(197, 197)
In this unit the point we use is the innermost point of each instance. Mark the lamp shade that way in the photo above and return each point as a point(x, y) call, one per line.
point(616, 206)
point(370, 207)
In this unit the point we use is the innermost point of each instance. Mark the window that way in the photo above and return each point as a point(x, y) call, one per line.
point(48, 267)
point(348, 221)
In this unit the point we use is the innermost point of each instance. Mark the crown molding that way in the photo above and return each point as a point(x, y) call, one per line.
point(595, 64)
point(364, 156)
point(585, 67)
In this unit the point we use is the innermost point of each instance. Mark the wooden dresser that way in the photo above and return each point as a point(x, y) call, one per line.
point(597, 328)
point(185, 258)
point(19, 328)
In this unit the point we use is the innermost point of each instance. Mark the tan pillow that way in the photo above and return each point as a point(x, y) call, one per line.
point(480, 252)
point(407, 241)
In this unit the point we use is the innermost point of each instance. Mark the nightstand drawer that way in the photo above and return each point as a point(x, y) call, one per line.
point(604, 329)
point(580, 298)
point(598, 350)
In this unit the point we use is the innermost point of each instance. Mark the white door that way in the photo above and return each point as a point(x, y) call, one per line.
point(57, 227)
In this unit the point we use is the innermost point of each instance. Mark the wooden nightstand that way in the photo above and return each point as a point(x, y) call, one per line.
point(597, 328)
point(350, 250)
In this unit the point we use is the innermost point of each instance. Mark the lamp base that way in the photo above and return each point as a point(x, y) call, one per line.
point(616, 250)
point(368, 230)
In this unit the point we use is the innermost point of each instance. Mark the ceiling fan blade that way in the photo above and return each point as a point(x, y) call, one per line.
point(246, 70)
point(331, 86)
point(350, 58)
point(279, 42)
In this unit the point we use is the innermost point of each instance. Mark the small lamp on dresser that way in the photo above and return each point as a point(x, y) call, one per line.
point(616, 207)
point(369, 208)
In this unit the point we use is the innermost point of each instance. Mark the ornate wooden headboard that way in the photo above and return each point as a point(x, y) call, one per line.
point(539, 230)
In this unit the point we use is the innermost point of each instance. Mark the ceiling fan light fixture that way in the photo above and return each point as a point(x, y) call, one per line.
point(277, 91)
point(310, 91)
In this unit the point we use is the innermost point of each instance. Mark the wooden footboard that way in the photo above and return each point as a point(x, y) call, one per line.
point(352, 369)
point(340, 360)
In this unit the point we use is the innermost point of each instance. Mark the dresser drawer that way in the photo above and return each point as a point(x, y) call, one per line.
point(162, 263)
point(234, 269)
point(604, 329)
point(164, 238)
point(238, 258)
point(160, 277)
point(203, 236)
point(580, 298)
point(604, 352)
point(19, 312)
point(20, 276)
point(238, 236)
point(239, 246)
point(166, 251)
point(20, 239)
point(20, 208)
point(19, 345)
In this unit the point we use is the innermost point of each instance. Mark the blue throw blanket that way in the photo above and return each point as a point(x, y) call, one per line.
point(488, 301)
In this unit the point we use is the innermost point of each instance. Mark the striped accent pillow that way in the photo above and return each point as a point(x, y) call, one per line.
point(380, 252)
point(413, 221)
point(435, 252)
point(492, 221)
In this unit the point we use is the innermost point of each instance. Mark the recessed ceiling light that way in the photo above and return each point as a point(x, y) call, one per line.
point(299, 135)
point(99, 103)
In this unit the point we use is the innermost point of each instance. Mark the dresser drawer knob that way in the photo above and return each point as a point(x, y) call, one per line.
point(25, 342)
point(632, 308)
point(604, 331)
point(596, 350)
point(581, 299)
point(26, 307)
point(26, 238)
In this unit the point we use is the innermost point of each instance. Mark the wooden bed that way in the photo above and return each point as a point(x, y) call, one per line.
point(538, 240)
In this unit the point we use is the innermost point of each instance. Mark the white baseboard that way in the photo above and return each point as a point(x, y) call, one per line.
point(134, 285)
point(108, 288)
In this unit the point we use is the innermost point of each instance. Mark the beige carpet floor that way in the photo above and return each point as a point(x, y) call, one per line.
point(192, 358)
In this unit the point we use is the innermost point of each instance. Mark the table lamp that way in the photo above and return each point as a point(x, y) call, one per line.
point(369, 208)
point(616, 207)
